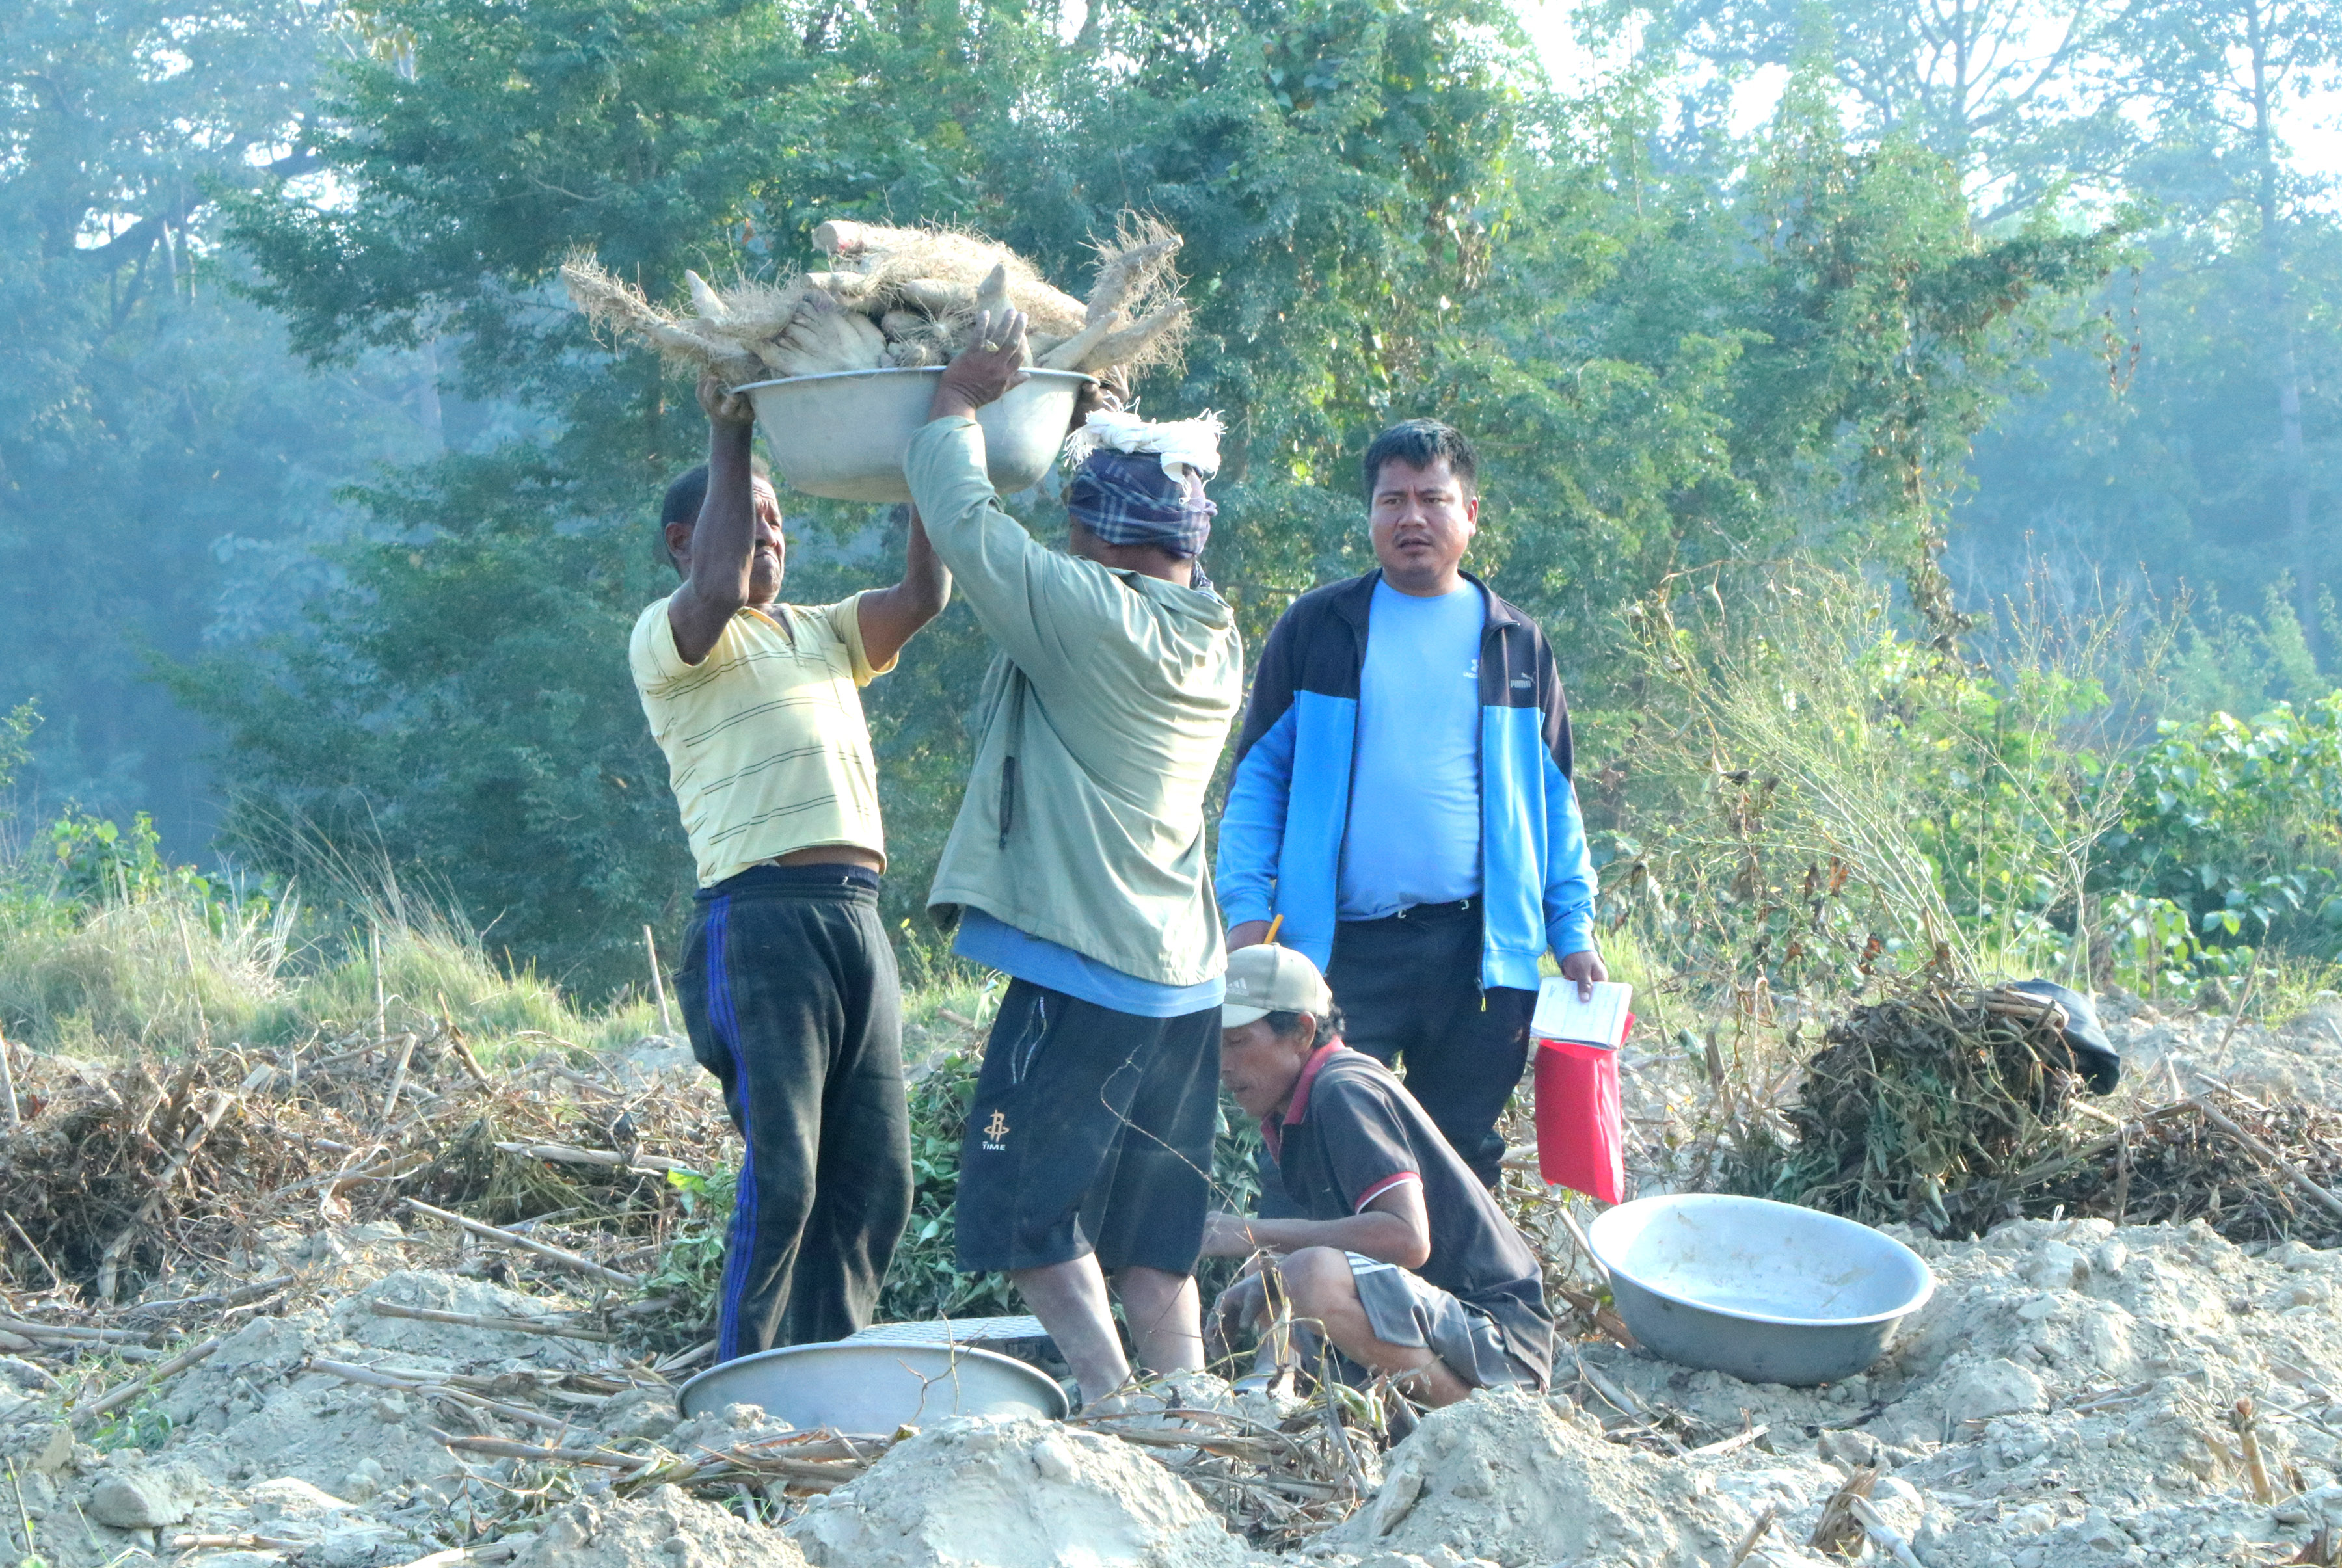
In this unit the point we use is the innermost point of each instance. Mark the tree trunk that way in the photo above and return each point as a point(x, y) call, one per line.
point(2299, 549)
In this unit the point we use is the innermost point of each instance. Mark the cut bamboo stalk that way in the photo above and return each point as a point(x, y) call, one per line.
point(550, 1253)
point(463, 1052)
point(1619, 1397)
point(658, 982)
point(86, 1335)
point(426, 1387)
point(452, 1556)
point(398, 1076)
point(684, 1358)
point(148, 1384)
point(1889, 1539)
point(504, 1448)
point(381, 1009)
point(1755, 1534)
point(8, 1090)
point(2249, 1436)
point(236, 1297)
point(570, 1154)
point(1738, 1439)
point(1585, 1247)
point(481, 1320)
point(39, 1257)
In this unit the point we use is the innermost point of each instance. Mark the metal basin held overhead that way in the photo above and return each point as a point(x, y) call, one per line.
point(1767, 1292)
point(843, 435)
point(874, 1386)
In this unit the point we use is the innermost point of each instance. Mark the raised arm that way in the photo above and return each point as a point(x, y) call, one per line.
point(723, 542)
point(1041, 607)
point(891, 616)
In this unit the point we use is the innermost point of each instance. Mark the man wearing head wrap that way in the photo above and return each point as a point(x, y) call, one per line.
point(1076, 866)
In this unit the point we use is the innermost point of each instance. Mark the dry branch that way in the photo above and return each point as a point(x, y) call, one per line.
point(150, 1381)
point(2283, 1166)
point(481, 1320)
point(550, 1253)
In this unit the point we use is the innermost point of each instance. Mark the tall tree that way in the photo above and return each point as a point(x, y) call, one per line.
point(2227, 71)
point(158, 448)
point(2023, 97)
point(1385, 214)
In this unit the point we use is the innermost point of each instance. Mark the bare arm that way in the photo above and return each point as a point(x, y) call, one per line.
point(723, 543)
point(1394, 1228)
point(891, 616)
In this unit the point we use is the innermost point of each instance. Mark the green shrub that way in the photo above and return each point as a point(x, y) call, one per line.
point(2239, 825)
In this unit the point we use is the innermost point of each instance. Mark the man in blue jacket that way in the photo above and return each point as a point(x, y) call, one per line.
point(1403, 800)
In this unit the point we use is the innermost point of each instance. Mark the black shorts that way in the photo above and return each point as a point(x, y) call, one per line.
point(1090, 1131)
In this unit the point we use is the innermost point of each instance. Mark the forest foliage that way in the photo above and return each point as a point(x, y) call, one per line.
point(1817, 449)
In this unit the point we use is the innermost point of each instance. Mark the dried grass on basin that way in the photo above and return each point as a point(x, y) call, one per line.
point(905, 298)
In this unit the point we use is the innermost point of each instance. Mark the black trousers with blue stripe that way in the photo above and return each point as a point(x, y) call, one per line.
point(789, 990)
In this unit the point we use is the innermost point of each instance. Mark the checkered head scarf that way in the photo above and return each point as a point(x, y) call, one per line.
point(1140, 481)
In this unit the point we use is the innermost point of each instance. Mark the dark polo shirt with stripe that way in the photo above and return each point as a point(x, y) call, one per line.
point(1352, 1134)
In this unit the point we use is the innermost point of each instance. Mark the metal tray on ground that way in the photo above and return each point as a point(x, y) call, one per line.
point(1767, 1292)
point(875, 1385)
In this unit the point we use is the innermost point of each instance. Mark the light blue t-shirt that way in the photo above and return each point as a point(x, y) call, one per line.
point(987, 940)
point(1414, 835)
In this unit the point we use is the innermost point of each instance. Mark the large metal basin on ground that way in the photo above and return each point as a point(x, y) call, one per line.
point(843, 435)
point(874, 1387)
point(1767, 1292)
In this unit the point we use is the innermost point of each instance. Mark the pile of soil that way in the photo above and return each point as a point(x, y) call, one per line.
point(1025, 1493)
point(666, 1529)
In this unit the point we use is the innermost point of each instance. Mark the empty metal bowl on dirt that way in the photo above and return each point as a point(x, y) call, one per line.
point(843, 435)
point(1767, 1292)
point(868, 1386)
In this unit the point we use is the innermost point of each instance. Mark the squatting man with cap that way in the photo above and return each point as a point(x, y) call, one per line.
point(1076, 866)
point(1400, 1255)
point(788, 982)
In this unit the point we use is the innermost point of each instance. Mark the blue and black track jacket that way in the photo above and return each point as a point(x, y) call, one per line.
point(1280, 850)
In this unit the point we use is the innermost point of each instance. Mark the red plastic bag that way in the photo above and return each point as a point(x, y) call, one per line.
point(1581, 1131)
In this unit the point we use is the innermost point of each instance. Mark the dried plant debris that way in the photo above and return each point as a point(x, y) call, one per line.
point(127, 1177)
point(2174, 1164)
point(1929, 1108)
point(1955, 1111)
point(904, 298)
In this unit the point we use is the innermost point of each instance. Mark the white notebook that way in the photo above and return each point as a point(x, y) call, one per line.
point(1560, 1015)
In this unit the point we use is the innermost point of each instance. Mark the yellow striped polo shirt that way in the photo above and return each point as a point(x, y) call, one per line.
point(765, 744)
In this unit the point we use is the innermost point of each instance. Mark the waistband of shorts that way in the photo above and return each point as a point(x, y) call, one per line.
point(827, 881)
point(1419, 915)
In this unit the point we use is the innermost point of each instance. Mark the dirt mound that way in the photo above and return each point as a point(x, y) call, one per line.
point(2070, 1384)
point(2300, 1059)
point(1516, 1478)
point(1016, 1494)
point(666, 1529)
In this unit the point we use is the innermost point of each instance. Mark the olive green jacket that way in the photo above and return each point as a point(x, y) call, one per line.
point(1103, 720)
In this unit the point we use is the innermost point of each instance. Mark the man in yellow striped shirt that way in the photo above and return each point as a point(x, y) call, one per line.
point(788, 982)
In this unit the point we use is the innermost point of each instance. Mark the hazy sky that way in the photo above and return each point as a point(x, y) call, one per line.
point(2313, 127)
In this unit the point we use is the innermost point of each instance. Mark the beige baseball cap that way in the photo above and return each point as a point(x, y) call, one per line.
point(1265, 979)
